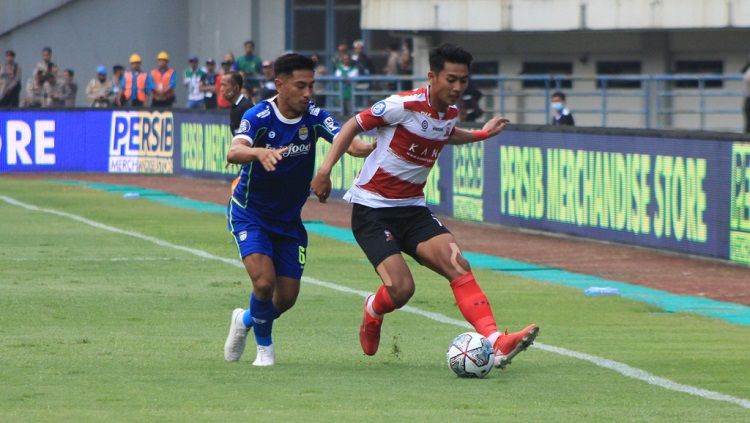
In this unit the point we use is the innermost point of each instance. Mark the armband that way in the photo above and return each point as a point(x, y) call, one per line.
point(480, 135)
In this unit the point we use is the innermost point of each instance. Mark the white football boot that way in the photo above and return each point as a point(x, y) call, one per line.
point(266, 356)
point(235, 344)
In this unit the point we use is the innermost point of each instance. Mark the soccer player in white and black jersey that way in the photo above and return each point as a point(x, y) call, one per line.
point(389, 214)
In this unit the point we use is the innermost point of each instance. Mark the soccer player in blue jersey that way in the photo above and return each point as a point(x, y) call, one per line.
point(275, 145)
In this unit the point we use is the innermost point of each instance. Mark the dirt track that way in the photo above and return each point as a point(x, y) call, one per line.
point(670, 272)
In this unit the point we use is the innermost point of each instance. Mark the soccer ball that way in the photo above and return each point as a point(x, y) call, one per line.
point(471, 355)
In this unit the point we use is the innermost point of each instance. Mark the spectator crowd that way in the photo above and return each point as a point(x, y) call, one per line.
point(133, 86)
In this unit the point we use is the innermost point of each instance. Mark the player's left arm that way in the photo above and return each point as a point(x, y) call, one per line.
point(493, 127)
point(321, 183)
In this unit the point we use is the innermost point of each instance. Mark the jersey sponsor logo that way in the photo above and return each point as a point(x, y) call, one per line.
point(141, 142)
point(378, 109)
point(294, 149)
point(264, 113)
point(303, 132)
point(388, 235)
point(244, 126)
point(330, 124)
point(423, 152)
point(315, 111)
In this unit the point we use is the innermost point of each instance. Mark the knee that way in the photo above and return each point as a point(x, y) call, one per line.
point(263, 288)
point(401, 291)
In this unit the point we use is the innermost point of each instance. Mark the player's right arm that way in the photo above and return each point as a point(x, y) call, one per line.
point(242, 151)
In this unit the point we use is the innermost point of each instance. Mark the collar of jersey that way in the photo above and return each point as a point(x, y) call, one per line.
point(278, 114)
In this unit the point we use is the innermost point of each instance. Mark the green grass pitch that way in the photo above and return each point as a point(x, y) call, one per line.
point(100, 326)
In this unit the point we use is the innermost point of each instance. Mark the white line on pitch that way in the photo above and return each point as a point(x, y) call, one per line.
point(622, 368)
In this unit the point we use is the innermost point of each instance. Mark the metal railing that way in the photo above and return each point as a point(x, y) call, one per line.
point(705, 101)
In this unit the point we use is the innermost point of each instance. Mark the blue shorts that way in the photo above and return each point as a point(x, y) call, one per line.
point(288, 253)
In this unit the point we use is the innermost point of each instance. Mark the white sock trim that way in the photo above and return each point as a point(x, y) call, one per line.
point(493, 337)
point(371, 310)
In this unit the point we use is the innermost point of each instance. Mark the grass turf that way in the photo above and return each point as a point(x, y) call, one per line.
point(100, 326)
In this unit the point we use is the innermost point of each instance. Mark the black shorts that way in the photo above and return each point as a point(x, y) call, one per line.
point(383, 232)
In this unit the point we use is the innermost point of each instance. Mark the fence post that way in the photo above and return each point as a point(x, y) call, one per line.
point(604, 101)
point(702, 102)
point(647, 102)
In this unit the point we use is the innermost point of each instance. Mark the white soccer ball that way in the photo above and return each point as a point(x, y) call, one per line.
point(471, 355)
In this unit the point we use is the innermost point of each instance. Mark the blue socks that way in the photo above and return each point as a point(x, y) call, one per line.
point(260, 316)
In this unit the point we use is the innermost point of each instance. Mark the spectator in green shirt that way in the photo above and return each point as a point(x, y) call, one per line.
point(250, 63)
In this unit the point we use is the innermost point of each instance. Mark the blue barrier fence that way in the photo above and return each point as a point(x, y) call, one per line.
point(679, 191)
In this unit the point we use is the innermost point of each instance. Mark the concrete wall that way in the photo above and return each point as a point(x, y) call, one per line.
point(86, 33)
point(14, 13)
point(552, 15)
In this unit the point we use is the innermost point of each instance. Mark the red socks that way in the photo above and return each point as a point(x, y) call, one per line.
point(473, 304)
point(382, 302)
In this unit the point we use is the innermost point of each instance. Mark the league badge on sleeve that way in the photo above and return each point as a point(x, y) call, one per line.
point(378, 109)
point(244, 126)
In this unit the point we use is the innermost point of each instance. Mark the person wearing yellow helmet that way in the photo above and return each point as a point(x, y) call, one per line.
point(165, 81)
point(136, 85)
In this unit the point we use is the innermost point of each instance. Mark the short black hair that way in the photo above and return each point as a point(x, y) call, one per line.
point(558, 94)
point(47, 49)
point(291, 62)
point(116, 68)
point(235, 78)
point(251, 42)
point(448, 53)
point(70, 71)
point(10, 53)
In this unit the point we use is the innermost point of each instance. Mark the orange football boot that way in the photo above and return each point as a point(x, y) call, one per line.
point(369, 332)
point(508, 345)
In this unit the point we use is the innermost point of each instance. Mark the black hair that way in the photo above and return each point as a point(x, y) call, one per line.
point(10, 53)
point(116, 68)
point(47, 49)
point(70, 71)
point(291, 62)
point(251, 42)
point(558, 94)
point(448, 53)
point(235, 78)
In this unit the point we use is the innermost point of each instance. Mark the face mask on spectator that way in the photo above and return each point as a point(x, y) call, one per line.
point(556, 105)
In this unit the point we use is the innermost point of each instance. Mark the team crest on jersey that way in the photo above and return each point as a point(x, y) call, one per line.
point(378, 109)
point(243, 235)
point(271, 134)
point(264, 113)
point(303, 133)
point(244, 126)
